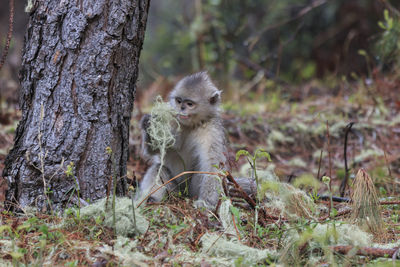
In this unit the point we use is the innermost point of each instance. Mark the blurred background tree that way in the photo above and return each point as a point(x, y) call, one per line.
point(287, 40)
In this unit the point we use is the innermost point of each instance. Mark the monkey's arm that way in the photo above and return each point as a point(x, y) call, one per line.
point(147, 150)
point(211, 152)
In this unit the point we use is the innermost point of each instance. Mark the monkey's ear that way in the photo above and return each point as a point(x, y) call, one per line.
point(215, 98)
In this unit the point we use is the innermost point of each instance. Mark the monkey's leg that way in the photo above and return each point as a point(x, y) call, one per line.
point(151, 182)
point(207, 188)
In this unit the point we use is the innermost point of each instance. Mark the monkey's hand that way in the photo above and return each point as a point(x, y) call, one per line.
point(147, 149)
point(145, 122)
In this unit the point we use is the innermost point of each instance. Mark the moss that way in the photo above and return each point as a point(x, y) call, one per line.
point(124, 216)
point(315, 241)
point(307, 180)
point(216, 245)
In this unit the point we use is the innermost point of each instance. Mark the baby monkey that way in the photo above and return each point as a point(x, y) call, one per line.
point(199, 144)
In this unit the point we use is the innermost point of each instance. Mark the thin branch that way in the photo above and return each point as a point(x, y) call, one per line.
point(329, 150)
point(366, 251)
point(236, 229)
point(174, 178)
point(319, 165)
point(9, 34)
point(330, 163)
point(346, 168)
point(340, 213)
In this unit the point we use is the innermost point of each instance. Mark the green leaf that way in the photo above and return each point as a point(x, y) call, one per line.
point(24, 226)
point(386, 14)
point(16, 255)
point(334, 212)
point(362, 52)
point(235, 211)
point(326, 179)
point(4, 228)
point(242, 153)
point(390, 24)
point(381, 25)
point(261, 153)
point(44, 229)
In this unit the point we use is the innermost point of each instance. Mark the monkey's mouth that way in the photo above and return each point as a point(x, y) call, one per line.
point(183, 117)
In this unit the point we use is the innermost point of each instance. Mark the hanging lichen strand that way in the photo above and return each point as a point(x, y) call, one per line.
point(162, 121)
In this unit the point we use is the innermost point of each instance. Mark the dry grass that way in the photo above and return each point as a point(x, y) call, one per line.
point(365, 203)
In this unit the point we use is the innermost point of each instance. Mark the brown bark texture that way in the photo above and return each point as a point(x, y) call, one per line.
point(80, 65)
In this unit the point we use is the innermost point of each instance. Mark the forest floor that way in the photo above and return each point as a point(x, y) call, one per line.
point(304, 129)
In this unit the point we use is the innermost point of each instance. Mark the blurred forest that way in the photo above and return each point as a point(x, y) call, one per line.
point(287, 41)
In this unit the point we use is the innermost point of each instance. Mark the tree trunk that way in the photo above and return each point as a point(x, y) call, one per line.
point(80, 65)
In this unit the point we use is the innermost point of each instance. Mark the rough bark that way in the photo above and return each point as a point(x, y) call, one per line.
point(80, 65)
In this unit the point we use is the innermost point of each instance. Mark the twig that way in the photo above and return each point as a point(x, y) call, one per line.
point(234, 225)
point(174, 178)
point(343, 185)
point(394, 202)
point(340, 213)
point(319, 165)
point(145, 235)
point(241, 191)
point(215, 241)
point(196, 242)
point(217, 207)
point(366, 251)
point(9, 34)
point(329, 151)
point(108, 190)
point(133, 207)
point(225, 186)
point(330, 162)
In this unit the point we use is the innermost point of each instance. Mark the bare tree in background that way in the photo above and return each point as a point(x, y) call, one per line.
point(80, 65)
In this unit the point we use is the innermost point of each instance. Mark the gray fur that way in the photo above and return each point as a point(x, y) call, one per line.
point(200, 143)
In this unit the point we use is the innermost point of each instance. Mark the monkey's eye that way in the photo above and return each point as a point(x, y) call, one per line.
point(178, 100)
point(190, 104)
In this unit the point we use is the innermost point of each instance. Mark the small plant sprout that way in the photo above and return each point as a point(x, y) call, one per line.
point(327, 180)
point(70, 169)
point(114, 178)
point(70, 173)
point(132, 189)
point(252, 159)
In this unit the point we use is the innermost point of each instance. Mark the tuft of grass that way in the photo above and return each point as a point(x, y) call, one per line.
point(365, 203)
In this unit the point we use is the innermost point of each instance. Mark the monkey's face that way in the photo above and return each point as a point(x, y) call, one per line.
point(187, 110)
point(193, 110)
point(196, 99)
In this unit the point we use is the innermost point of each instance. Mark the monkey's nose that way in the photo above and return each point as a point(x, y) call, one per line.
point(183, 107)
